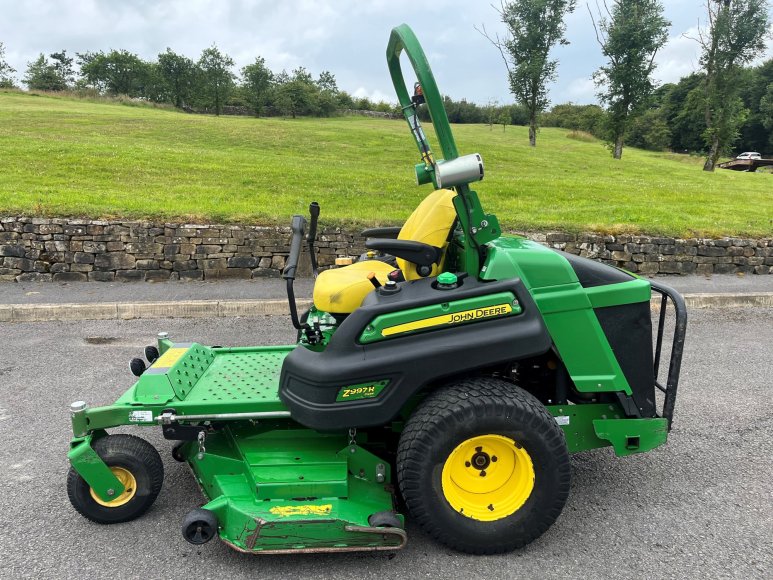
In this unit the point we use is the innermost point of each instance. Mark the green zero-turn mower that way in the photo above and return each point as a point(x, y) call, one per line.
point(448, 373)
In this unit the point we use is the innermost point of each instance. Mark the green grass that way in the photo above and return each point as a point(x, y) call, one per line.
point(65, 157)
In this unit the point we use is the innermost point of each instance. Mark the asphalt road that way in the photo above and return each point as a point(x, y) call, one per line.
point(701, 506)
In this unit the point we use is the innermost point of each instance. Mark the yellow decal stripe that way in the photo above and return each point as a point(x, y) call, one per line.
point(170, 357)
point(301, 510)
point(453, 318)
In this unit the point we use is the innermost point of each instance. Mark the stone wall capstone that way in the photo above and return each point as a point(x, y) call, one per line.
point(75, 250)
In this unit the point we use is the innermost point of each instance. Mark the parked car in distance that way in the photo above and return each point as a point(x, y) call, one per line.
point(749, 155)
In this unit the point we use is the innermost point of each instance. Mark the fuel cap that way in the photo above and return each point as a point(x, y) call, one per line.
point(447, 280)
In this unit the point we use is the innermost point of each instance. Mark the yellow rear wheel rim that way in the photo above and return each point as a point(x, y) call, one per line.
point(130, 489)
point(488, 477)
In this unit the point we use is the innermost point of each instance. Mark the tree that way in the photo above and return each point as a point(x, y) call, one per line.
point(734, 36)
point(327, 82)
point(650, 131)
point(630, 35)
point(766, 110)
point(534, 27)
point(299, 95)
point(6, 71)
point(119, 72)
point(63, 67)
point(178, 77)
point(257, 83)
point(754, 85)
point(217, 78)
point(43, 76)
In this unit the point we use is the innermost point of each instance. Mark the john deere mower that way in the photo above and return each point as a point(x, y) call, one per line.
point(448, 374)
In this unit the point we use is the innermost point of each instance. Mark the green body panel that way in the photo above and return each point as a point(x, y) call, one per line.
point(629, 436)
point(375, 330)
point(567, 308)
point(593, 425)
point(276, 487)
point(90, 466)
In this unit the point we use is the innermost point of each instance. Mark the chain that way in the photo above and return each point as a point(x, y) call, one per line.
point(202, 437)
point(352, 435)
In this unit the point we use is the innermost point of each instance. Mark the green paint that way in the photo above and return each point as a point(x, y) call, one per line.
point(369, 390)
point(629, 436)
point(566, 309)
point(282, 489)
point(447, 279)
point(441, 316)
point(91, 468)
point(577, 423)
point(593, 425)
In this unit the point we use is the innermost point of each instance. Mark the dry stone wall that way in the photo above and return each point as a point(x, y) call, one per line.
point(73, 250)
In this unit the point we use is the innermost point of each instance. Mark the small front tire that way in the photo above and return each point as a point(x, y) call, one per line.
point(136, 464)
point(199, 526)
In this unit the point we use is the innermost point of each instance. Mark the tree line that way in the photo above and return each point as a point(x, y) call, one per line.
point(207, 85)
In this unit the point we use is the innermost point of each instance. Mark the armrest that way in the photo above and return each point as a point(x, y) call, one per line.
point(414, 252)
point(388, 233)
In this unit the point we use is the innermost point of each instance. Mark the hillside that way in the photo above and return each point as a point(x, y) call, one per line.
point(62, 157)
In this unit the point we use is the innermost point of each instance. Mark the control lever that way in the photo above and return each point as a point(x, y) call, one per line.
point(312, 236)
point(298, 226)
point(373, 280)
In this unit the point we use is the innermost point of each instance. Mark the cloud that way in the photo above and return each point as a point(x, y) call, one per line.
point(374, 96)
point(347, 37)
point(679, 57)
point(578, 90)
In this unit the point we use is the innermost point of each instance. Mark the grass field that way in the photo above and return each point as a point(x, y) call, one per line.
point(61, 157)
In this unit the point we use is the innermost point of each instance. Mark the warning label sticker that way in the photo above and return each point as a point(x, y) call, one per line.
point(141, 416)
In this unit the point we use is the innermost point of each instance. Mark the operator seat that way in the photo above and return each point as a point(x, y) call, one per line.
point(342, 290)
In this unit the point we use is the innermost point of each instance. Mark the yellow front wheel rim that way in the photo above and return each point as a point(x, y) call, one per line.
point(130, 489)
point(488, 477)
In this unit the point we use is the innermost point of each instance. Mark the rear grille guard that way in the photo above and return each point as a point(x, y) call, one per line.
point(677, 346)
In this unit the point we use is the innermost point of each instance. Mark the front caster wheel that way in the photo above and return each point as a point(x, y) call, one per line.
point(136, 464)
point(199, 526)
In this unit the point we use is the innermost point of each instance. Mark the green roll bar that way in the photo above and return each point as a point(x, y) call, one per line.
point(479, 228)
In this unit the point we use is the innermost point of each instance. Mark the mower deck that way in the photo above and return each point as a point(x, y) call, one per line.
point(278, 488)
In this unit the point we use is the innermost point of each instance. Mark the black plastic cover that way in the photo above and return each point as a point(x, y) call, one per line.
point(310, 381)
point(628, 329)
point(591, 273)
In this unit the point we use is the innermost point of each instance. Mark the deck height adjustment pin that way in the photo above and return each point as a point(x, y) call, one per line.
point(202, 450)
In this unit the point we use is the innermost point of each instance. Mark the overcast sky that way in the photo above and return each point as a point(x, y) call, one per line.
point(346, 37)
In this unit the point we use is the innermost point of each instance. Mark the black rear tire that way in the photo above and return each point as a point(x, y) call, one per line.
point(131, 455)
point(468, 410)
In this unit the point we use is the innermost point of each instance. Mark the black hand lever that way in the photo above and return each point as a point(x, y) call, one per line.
point(311, 238)
point(298, 226)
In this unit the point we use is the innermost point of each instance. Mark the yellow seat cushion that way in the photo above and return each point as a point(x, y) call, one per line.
point(342, 290)
point(430, 223)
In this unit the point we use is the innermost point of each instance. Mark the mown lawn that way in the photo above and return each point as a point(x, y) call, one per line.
point(61, 157)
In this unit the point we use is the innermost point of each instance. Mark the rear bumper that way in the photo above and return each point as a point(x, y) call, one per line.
point(668, 294)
